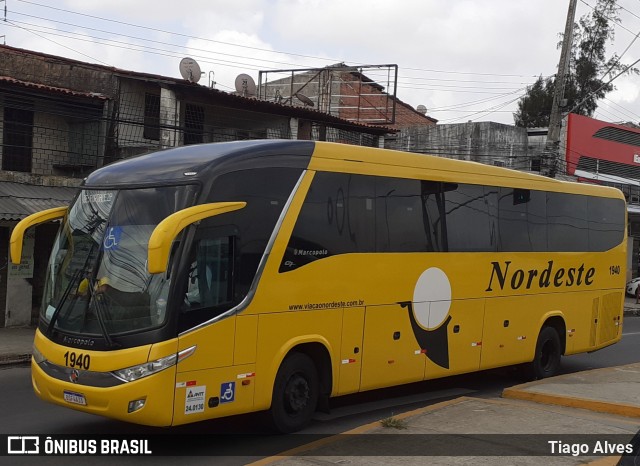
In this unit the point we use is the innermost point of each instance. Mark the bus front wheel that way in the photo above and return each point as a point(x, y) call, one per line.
point(546, 361)
point(295, 393)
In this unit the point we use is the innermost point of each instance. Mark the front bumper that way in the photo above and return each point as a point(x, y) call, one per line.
point(111, 399)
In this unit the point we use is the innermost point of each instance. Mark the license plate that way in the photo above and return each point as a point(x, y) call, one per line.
point(75, 398)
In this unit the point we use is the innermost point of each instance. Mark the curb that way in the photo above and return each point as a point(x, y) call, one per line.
point(521, 392)
point(573, 402)
point(14, 359)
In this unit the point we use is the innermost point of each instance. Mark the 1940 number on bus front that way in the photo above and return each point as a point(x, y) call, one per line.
point(77, 360)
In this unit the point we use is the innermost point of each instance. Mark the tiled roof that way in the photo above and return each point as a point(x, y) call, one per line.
point(57, 90)
point(18, 200)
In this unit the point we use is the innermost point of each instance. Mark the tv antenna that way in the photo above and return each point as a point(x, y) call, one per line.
point(190, 70)
point(304, 99)
point(245, 85)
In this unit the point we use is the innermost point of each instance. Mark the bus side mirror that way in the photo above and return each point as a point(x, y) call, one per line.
point(163, 235)
point(17, 235)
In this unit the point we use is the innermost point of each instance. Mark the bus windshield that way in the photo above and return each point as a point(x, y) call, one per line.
point(97, 280)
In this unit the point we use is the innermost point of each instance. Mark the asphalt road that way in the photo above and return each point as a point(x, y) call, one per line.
point(241, 439)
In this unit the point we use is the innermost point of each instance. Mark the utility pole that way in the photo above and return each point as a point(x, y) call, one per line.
point(551, 152)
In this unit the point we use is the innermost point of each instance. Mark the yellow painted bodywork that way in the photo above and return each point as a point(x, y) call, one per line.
point(349, 305)
point(17, 235)
point(157, 390)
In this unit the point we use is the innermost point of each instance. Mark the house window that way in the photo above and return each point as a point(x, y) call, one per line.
point(193, 124)
point(152, 116)
point(17, 139)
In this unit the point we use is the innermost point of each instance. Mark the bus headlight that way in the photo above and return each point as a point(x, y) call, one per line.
point(37, 355)
point(143, 370)
point(132, 373)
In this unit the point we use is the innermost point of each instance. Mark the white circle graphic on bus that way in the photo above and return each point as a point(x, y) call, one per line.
point(432, 298)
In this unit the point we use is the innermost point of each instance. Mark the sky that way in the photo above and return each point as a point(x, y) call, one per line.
point(462, 59)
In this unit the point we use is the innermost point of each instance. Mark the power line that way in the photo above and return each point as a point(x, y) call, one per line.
point(332, 60)
point(419, 78)
point(148, 28)
point(205, 59)
point(129, 37)
point(617, 22)
point(624, 109)
point(53, 41)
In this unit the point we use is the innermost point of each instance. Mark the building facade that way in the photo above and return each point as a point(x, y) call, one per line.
point(608, 154)
point(60, 119)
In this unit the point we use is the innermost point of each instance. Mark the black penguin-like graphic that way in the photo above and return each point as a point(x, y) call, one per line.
point(434, 342)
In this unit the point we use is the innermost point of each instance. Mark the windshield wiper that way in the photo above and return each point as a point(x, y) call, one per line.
point(62, 300)
point(97, 304)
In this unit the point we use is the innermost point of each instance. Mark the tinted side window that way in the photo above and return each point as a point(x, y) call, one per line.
point(522, 220)
point(606, 223)
point(470, 215)
point(402, 223)
point(567, 222)
point(337, 217)
point(434, 213)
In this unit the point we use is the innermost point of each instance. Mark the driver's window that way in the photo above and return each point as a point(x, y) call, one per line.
point(209, 279)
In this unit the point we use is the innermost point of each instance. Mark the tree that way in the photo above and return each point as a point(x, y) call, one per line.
point(534, 108)
point(589, 73)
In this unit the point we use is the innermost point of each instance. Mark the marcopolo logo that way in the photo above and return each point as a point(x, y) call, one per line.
point(23, 444)
point(550, 276)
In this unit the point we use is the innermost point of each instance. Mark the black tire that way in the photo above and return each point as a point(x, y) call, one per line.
point(295, 394)
point(546, 361)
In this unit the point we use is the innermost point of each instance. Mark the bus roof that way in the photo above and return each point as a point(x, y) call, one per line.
point(365, 160)
point(203, 160)
point(200, 161)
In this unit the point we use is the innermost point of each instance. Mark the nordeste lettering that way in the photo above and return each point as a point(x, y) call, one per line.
point(504, 275)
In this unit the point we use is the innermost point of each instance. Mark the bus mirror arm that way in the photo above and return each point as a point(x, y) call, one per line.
point(17, 235)
point(167, 230)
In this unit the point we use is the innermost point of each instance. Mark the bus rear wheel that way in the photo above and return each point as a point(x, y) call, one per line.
point(546, 361)
point(295, 393)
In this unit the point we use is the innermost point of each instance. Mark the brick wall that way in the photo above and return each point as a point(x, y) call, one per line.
point(52, 71)
point(375, 106)
point(50, 143)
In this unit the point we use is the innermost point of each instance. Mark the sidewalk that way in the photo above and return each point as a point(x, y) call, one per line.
point(630, 306)
point(15, 345)
point(601, 405)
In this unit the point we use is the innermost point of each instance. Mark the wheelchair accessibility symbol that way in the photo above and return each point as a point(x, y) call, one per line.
point(227, 392)
point(112, 238)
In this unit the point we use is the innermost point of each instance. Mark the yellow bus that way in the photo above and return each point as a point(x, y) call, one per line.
point(218, 279)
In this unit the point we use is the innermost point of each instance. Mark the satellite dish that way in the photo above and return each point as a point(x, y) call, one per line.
point(422, 109)
point(304, 99)
point(190, 70)
point(245, 85)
